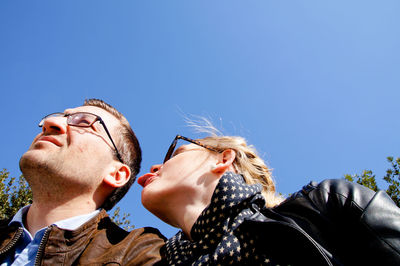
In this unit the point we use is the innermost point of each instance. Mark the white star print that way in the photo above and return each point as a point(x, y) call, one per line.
point(217, 228)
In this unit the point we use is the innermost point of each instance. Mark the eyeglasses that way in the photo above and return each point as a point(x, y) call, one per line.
point(173, 145)
point(83, 119)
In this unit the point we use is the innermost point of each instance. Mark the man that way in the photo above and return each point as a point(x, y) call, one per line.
point(80, 165)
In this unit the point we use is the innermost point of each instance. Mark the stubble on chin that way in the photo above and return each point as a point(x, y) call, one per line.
point(42, 174)
point(51, 179)
point(35, 168)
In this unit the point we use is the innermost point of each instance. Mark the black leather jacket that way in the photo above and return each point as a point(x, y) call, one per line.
point(332, 223)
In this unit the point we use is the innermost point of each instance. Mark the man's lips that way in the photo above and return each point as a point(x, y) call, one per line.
point(146, 179)
point(50, 139)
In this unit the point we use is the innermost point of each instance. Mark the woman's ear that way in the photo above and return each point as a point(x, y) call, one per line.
point(118, 176)
point(225, 162)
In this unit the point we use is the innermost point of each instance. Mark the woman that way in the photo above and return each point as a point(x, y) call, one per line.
point(222, 196)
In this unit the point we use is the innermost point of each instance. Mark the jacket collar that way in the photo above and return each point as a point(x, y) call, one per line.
point(12, 232)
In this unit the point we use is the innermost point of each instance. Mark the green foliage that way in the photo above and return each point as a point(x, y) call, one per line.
point(14, 194)
point(123, 222)
point(367, 179)
point(392, 178)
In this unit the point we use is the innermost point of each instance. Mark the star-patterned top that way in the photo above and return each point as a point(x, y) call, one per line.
point(216, 238)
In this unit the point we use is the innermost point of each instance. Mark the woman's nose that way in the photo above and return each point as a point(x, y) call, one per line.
point(155, 168)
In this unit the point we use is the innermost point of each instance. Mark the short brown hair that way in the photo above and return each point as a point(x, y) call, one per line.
point(129, 148)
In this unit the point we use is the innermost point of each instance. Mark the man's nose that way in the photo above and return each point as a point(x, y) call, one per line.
point(155, 168)
point(54, 125)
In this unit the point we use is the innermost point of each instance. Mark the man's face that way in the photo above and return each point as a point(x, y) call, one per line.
point(71, 155)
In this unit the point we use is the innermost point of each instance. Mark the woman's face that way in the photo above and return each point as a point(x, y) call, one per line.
point(179, 180)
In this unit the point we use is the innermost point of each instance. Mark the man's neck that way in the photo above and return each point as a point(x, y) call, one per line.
point(43, 215)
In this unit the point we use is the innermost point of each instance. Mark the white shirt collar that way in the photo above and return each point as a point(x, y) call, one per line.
point(67, 224)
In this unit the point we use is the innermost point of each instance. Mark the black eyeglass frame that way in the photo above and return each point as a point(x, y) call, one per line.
point(175, 141)
point(70, 123)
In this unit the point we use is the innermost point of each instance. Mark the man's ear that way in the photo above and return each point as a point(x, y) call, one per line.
point(118, 176)
point(225, 162)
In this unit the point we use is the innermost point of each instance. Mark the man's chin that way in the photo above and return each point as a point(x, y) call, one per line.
point(32, 159)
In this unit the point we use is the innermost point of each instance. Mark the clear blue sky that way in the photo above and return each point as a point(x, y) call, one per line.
point(314, 85)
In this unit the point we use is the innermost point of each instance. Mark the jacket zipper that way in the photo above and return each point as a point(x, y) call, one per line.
point(13, 241)
point(42, 244)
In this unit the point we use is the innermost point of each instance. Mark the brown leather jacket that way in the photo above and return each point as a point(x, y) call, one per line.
point(97, 242)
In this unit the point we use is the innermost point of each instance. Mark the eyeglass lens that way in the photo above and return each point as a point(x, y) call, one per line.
point(81, 119)
point(76, 119)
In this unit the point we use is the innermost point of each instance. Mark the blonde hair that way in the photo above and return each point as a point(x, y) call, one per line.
point(248, 164)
